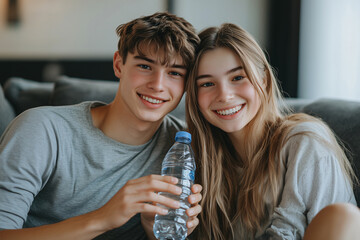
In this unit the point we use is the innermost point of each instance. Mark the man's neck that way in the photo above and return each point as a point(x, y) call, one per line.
point(121, 127)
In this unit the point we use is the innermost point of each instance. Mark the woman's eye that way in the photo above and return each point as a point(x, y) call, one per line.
point(143, 66)
point(238, 78)
point(207, 84)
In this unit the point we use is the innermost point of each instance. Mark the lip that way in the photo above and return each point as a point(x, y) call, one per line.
point(229, 115)
point(151, 101)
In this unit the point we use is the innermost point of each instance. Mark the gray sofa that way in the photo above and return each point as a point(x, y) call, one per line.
point(20, 94)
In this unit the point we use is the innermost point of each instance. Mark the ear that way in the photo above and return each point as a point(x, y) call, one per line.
point(117, 64)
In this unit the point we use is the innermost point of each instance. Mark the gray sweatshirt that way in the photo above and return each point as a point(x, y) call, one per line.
point(312, 179)
point(54, 165)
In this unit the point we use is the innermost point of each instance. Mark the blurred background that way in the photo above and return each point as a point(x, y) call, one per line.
point(314, 45)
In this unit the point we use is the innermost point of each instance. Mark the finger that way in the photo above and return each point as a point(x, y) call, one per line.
point(194, 211)
point(168, 179)
point(150, 209)
point(152, 184)
point(192, 223)
point(196, 188)
point(148, 215)
point(194, 198)
point(151, 197)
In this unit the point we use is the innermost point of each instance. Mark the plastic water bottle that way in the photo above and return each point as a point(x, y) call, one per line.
point(179, 162)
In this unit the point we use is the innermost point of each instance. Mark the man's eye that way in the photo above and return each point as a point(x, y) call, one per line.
point(143, 66)
point(207, 84)
point(176, 74)
point(238, 78)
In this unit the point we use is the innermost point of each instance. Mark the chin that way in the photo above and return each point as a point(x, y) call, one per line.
point(152, 117)
point(230, 129)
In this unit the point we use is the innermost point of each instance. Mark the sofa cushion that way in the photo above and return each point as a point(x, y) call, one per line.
point(75, 90)
point(343, 118)
point(6, 112)
point(24, 94)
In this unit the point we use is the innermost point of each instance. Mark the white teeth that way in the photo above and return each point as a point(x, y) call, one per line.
point(151, 100)
point(229, 111)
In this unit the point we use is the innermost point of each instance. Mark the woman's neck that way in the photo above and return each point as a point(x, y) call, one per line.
point(245, 140)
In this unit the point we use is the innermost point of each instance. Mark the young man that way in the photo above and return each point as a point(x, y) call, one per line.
point(88, 170)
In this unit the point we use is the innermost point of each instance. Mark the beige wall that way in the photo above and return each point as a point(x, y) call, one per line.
point(69, 28)
point(86, 28)
point(250, 14)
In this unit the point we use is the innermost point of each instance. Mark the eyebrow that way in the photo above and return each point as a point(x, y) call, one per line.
point(153, 61)
point(227, 72)
point(144, 58)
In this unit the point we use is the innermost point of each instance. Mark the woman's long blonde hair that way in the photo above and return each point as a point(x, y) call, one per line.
point(228, 196)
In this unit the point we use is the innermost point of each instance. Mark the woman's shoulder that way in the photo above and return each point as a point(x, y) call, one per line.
point(305, 125)
point(309, 137)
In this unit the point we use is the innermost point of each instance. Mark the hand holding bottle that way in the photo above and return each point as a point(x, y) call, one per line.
point(137, 196)
point(147, 219)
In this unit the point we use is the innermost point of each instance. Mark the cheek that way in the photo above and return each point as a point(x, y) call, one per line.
point(203, 101)
point(253, 97)
point(249, 91)
point(200, 100)
point(135, 77)
point(176, 87)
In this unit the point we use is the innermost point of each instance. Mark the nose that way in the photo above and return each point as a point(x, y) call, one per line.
point(224, 93)
point(157, 81)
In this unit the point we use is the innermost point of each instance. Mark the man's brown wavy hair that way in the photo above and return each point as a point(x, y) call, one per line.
point(161, 32)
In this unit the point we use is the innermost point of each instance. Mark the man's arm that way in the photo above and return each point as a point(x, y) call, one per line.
point(135, 197)
point(86, 226)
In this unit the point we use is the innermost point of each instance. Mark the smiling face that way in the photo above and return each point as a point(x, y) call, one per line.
point(148, 89)
point(226, 97)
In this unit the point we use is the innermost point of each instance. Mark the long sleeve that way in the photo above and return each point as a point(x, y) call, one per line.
point(26, 161)
point(313, 179)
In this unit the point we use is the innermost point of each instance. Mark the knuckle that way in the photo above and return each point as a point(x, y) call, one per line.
point(124, 199)
point(152, 176)
point(125, 191)
point(152, 182)
point(145, 207)
point(149, 195)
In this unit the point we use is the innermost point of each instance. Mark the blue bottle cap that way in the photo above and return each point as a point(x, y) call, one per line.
point(183, 136)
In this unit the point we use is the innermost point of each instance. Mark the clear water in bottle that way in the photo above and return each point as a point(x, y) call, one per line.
point(179, 162)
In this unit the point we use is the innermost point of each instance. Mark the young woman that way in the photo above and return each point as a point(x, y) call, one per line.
point(265, 173)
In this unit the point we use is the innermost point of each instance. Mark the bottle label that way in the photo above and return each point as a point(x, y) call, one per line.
point(192, 175)
point(188, 174)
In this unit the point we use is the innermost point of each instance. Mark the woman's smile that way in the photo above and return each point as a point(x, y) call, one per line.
point(229, 111)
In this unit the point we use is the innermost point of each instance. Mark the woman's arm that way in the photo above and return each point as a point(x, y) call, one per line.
point(313, 179)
